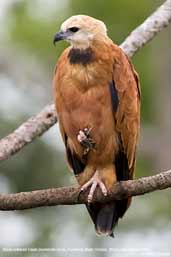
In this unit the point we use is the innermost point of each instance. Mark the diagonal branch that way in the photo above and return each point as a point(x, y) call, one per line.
point(148, 29)
point(27, 132)
point(40, 123)
point(71, 195)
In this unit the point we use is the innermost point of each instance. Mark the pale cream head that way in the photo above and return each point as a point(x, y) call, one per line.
point(81, 30)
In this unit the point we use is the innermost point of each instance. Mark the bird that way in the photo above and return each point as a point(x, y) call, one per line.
point(97, 99)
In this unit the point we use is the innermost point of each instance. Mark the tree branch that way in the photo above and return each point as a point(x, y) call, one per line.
point(148, 29)
point(27, 132)
point(71, 195)
point(40, 123)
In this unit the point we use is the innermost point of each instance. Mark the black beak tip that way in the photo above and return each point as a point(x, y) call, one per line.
point(58, 37)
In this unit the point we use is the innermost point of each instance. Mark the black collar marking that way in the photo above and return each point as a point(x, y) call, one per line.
point(81, 56)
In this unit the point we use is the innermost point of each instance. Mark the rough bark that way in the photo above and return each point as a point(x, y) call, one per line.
point(148, 29)
point(72, 195)
point(27, 132)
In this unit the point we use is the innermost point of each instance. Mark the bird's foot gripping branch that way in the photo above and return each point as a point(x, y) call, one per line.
point(72, 196)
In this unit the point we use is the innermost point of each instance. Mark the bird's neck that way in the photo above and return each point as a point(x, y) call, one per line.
point(92, 42)
point(80, 44)
point(81, 56)
point(86, 55)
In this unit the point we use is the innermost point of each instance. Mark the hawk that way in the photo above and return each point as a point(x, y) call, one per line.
point(97, 98)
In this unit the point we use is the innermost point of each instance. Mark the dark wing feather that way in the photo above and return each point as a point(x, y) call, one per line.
point(125, 96)
point(127, 116)
point(73, 159)
point(76, 164)
point(114, 96)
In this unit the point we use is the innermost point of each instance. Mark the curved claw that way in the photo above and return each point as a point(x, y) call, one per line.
point(81, 136)
point(94, 182)
point(85, 140)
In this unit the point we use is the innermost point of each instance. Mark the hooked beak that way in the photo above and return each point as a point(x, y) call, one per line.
point(60, 36)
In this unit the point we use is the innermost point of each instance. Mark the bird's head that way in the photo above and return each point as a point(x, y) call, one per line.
point(81, 31)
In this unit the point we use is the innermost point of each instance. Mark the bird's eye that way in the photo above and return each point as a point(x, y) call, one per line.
point(74, 29)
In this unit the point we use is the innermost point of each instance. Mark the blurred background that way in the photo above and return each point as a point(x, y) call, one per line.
point(27, 60)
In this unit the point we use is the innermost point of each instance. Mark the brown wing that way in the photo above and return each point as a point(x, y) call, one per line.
point(125, 95)
point(73, 159)
point(127, 114)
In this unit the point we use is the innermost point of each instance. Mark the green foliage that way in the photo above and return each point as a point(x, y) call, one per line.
point(33, 35)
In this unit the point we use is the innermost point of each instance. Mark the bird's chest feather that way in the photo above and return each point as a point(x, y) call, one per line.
point(85, 102)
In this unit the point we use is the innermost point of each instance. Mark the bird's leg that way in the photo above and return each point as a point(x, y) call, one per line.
point(93, 183)
point(85, 140)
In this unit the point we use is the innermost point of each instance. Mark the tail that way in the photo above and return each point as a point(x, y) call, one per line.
point(106, 216)
point(106, 220)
